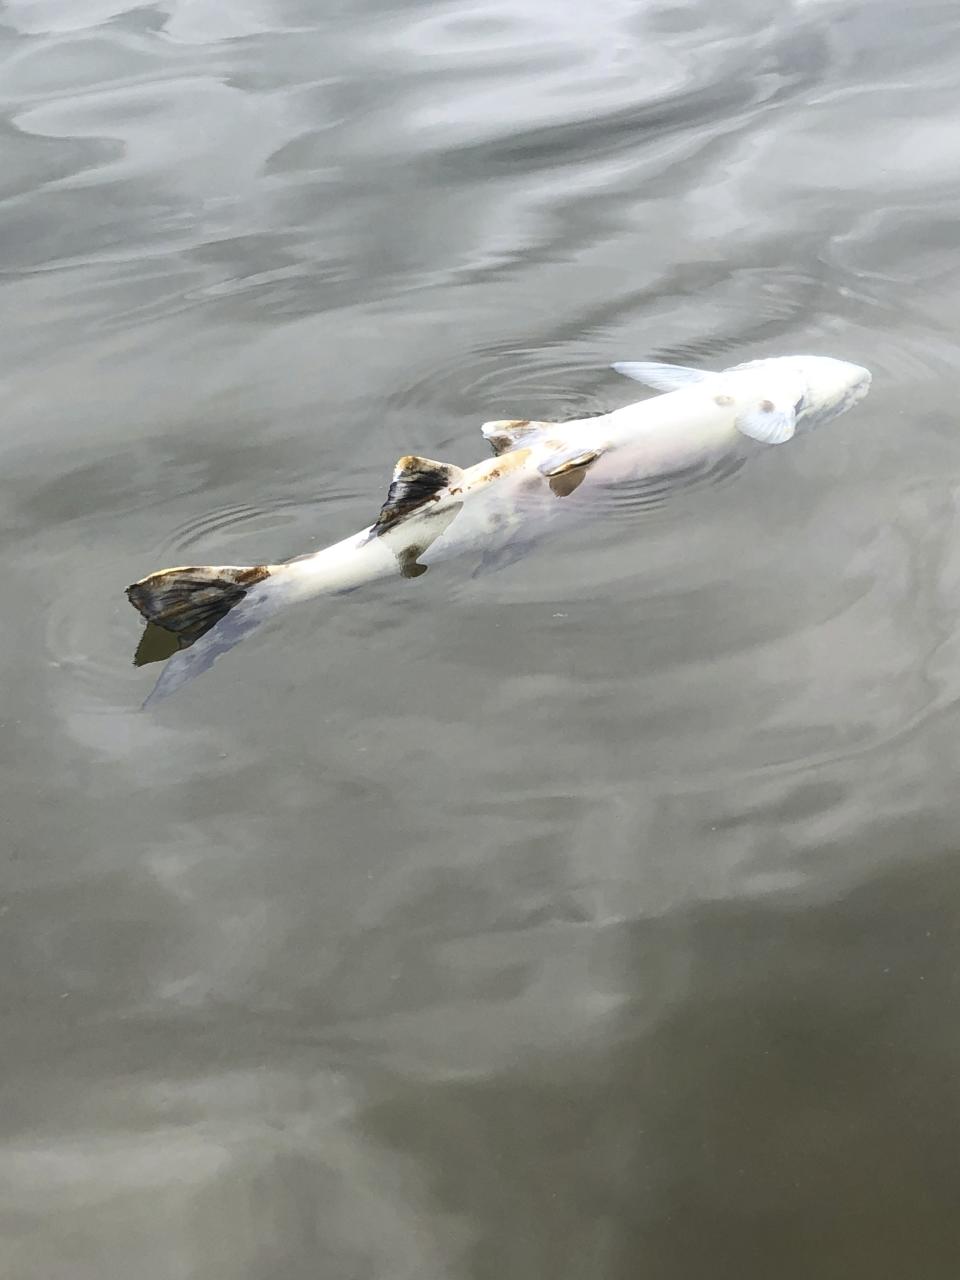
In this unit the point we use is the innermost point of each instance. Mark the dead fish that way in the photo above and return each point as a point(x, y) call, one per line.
point(435, 510)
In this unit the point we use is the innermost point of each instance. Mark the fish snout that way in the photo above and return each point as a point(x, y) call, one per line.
point(833, 387)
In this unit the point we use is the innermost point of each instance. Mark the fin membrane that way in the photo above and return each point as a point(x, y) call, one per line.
point(566, 471)
point(189, 662)
point(416, 481)
point(502, 436)
point(662, 377)
point(559, 464)
point(768, 422)
point(189, 601)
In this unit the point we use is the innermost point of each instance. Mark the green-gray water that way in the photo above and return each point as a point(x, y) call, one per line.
point(593, 919)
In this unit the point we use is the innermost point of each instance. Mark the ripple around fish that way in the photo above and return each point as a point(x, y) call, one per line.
point(202, 530)
point(89, 642)
point(490, 384)
point(914, 367)
point(239, 516)
point(659, 497)
point(90, 631)
point(495, 375)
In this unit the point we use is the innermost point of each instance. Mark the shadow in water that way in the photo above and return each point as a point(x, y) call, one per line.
point(157, 644)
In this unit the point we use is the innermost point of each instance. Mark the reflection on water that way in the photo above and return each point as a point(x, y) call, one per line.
point(586, 918)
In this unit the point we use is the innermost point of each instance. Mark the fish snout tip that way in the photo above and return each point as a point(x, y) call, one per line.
point(863, 379)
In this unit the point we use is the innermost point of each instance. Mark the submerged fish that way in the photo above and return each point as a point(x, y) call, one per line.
point(435, 511)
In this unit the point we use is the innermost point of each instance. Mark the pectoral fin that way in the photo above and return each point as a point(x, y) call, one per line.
point(662, 377)
point(768, 422)
point(416, 481)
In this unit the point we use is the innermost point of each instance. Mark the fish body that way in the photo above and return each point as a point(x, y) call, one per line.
point(435, 511)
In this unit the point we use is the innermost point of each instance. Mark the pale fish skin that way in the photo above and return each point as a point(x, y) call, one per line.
point(435, 512)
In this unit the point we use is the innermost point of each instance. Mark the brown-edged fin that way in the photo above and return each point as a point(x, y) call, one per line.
point(568, 482)
point(506, 434)
point(416, 481)
point(565, 471)
point(189, 601)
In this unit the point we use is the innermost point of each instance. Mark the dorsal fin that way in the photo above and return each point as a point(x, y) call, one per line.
point(504, 435)
point(415, 482)
point(662, 377)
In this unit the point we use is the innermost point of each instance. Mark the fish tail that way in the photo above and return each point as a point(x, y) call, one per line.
point(189, 600)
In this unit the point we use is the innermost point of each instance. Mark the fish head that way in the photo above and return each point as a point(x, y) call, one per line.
point(770, 400)
point(831, 388)
point(818, 388)
point(777, 398)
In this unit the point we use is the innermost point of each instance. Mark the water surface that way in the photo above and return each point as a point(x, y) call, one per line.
point(593, 918)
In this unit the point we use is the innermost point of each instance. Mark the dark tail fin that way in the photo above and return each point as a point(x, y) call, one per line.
point(189, 601)
point(187, 605)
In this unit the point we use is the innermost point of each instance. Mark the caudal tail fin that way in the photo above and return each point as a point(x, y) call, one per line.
point(188, 601)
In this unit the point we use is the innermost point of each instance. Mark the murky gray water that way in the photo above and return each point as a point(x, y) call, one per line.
point(596, 918)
